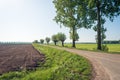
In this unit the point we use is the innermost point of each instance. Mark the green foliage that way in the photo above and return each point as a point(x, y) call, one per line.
point(108, 8)
point(55, 38)
point(104, 48)
point(59, 65)
point(35, 41)
point(47, 40)
point(65, 66)
point(76, 14)
point(13, 76)
point(98, 10)
point(75, 36)
point(61, 37)
point(103, 30)
point(71, 14)
point(41, 41)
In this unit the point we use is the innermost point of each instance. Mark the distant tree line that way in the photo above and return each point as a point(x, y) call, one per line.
point(111, 42)
point(55, 38)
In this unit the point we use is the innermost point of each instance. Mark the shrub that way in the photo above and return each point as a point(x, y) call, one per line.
point(105, 48)
point(41, 41)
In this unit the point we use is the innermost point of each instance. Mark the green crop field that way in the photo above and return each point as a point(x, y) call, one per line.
point(112, 47)
point(58, 65)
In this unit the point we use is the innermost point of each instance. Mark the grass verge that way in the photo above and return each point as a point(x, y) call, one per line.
point(59, 65)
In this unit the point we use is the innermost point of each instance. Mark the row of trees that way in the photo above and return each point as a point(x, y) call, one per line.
point(55, 38)
point(76, 14)
point(59, 37)
point(47, 39)
point(112, 42)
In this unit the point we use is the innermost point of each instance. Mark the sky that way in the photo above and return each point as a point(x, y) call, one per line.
point(29, 20)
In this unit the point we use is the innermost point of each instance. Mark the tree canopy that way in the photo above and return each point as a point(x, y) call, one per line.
point(41, 41)
point(47, 40)
point(54, 38)
point(35, 41)
point(61, 37)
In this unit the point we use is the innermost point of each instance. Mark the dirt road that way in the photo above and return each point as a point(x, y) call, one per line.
point(106, 66)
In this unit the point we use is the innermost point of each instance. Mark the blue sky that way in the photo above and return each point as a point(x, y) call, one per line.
point(28, 20)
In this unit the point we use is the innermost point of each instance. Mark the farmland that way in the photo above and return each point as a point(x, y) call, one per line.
point(14, 57)
point(58, 65)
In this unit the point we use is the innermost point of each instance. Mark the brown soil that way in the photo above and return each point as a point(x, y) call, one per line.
point(19, 56)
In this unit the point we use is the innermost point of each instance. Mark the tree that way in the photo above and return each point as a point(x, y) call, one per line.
point(71, 14)
point(47, 40)
point(35, 41)
point(41, 41)
point(61, 37)
point(55, 39)
point(98, 10)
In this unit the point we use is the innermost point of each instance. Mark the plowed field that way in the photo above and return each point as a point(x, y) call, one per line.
point(18, 56)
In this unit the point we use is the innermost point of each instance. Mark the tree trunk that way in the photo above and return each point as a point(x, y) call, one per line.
point(73, 44)
point(73, 40)
point(55, 42)
point(62, 43)
point(98, 26)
